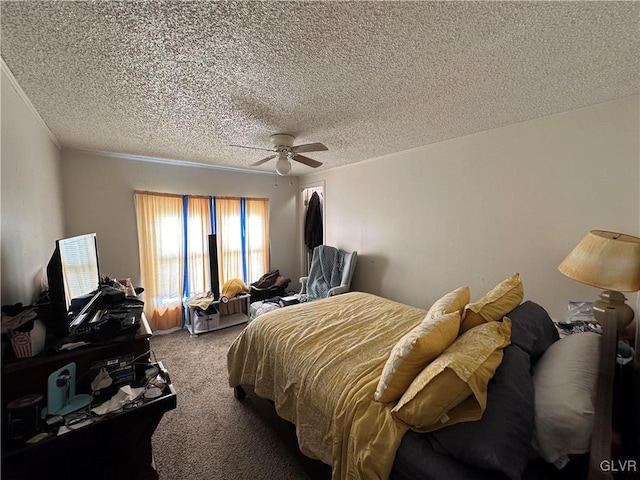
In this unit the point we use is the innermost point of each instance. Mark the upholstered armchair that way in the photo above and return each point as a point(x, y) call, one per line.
point(344, 262)
point(349, 266)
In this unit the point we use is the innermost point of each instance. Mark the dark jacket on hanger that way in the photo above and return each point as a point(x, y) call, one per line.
point(313, 223)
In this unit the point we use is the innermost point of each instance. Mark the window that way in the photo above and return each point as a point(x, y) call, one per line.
point(257, 237)
point(198, 227)
point(79, 265)
point(174, 256)
point(229, 238)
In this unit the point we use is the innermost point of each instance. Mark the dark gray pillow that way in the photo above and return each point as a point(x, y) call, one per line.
point(501, 440)
point(532, 329)
point(417, 460)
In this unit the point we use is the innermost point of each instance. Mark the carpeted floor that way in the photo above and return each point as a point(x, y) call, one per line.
point(211, 435)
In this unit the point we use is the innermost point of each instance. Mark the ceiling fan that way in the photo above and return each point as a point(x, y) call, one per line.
point(286, 151)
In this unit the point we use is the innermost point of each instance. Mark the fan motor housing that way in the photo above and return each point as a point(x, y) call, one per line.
point(282, 140)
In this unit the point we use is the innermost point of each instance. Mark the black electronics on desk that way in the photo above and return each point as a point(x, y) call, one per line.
point(102, 320)
point(81, 308)
point(73, 272)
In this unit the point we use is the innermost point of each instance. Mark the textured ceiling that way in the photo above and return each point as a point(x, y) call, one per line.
point(184, 80)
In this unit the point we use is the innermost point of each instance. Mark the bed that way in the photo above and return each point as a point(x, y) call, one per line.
point(322, 366)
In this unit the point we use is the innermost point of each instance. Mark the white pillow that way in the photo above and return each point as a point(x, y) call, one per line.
point(565, 386)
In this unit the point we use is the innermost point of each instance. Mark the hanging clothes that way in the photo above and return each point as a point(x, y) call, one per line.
point(313, 223)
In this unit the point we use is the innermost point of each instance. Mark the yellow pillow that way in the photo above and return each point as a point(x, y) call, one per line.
point(505, 296)
point(421, 345)
point(453, 388)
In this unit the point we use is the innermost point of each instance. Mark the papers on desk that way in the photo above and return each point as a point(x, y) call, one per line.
point(72, 345)
point(125, 395)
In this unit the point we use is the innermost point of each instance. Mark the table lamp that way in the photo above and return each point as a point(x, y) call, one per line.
point(610, 261)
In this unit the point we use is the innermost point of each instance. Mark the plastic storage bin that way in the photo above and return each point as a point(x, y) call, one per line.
point(201, 321)
point(217, 315)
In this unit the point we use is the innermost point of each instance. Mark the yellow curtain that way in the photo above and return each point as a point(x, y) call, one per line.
point(160, 226)
point(198, 228)
point(229, 238)
point(257, 234)
point(161, 240)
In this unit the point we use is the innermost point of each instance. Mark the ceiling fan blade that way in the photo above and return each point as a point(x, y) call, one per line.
point(309, 147)
point(260, 162)
point(253, 148)
point(310, 162)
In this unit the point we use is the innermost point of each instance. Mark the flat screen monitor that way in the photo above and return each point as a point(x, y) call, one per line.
point(73, 272)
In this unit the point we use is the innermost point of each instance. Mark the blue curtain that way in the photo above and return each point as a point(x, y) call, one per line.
point(212, 212)
point(185, 223)
point(243, 235)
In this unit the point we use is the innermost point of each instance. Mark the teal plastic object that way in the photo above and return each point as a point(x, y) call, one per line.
point(61, 392)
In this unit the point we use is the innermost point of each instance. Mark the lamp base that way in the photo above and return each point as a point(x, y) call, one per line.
point(612, 300)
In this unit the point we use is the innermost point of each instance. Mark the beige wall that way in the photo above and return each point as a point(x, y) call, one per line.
point(474, 210)
point(31, 197)
point(99, 197)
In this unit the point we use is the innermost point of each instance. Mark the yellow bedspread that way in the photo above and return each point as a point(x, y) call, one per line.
point(320, 363)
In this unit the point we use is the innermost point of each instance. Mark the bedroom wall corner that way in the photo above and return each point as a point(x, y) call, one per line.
point(32, 205)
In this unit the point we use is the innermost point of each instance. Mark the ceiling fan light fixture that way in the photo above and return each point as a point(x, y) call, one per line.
point(283, 166)
point(285, 151)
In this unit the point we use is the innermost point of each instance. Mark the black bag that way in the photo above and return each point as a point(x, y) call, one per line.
point(267, 280)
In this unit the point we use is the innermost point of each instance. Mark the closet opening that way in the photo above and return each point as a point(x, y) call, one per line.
point(312, 224)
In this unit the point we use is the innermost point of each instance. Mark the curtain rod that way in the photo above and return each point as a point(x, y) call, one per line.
point(223, 197)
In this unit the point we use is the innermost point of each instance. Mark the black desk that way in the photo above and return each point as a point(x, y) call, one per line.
point(115, 447)
point(24, 376)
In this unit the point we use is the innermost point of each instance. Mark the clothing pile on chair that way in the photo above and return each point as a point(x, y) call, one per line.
point(330, 274)
point(325, 272)
point(270, 285)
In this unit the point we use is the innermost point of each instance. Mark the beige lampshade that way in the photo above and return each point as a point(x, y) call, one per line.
point(606, 260)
